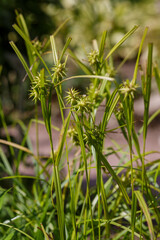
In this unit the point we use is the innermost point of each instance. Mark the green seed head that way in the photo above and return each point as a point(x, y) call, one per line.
point(93, 57)
point(128, 88)
point(72, 97)
point(38, 89)
point(59, 71)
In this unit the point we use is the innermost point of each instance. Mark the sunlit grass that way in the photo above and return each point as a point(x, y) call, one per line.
point(55, 208)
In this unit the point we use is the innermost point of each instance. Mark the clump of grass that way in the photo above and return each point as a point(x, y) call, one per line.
point(59, 209)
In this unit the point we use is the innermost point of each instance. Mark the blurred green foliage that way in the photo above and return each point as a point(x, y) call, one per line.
point(88, 19)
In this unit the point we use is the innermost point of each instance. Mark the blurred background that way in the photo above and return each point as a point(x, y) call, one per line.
point(87, 21)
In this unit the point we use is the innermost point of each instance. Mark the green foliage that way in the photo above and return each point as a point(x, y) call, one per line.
point(122, 207)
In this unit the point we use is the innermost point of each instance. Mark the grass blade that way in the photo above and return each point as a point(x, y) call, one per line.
point(31, 46)
point(6, 163)
point(54, 51)
point(15, 145)
point(112, 102)
point(127, 35)
point(138, 57)
point(113, 174)
point(63, 139)
point(84, 68)
point(80, 135)
point(145, 210)
point(133, 214)
point(21, 58)
point(18, 230)
point(86, 76)
point(2, 196)
point(102, 45)
point(22, 24)
point(147, 90)
point(65, 48)
point(157, 77)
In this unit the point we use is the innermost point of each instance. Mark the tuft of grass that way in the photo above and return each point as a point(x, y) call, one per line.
point(122, 207)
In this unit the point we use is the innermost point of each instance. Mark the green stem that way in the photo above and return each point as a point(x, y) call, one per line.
point(88, 199)
point(37, 135)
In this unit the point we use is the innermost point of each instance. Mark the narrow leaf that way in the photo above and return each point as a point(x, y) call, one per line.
point(31, 45)
point(145, 210)
point(113, 174)
point(84, 68)
point(112, 102)
point(15, 145)
point(157, 77)
point(63, 139)
point(138, 57)
point(10, 235)
point(18, 230)
point(147, 90)
point(44, 232)
point(127, 35)
point(2, 196)
point(54, 51)
point(6, 163)
point(21, 58)
point(65, 48)
point(102, 45)
point(133, 214)
point(22, 24)
point(86, 76)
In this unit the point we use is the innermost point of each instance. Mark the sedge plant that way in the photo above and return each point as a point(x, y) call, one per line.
point(122, 207)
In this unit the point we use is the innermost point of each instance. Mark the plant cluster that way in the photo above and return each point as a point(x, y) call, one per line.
point(126, 205)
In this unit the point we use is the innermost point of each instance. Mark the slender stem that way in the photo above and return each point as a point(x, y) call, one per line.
point(88, 199)
point(37, 134)
point(61, 105)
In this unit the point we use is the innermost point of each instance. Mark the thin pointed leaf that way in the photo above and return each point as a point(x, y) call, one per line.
point(157, 77)
point(22, 24)
point(138, 57)
point(102, 45)
point(113, 174)
point(81, 65)
point(147, 90)
point(123, 227)
point(21, 58)
point(59, 202)
point(65, 48)
point(86, 76)
point(61, 26)
point(54, 51)
point(55, 33)
point(31, 45)
point(44, 232)
point(6, 163)
point(10, 235)
point(18, 230)
point(63, 139)
point(127, 35)
point(112, 102)
point(136, 143)
point(2, 196)
point(23, 176)
point(145, 210)
point(133, 214)
point(15, 145)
